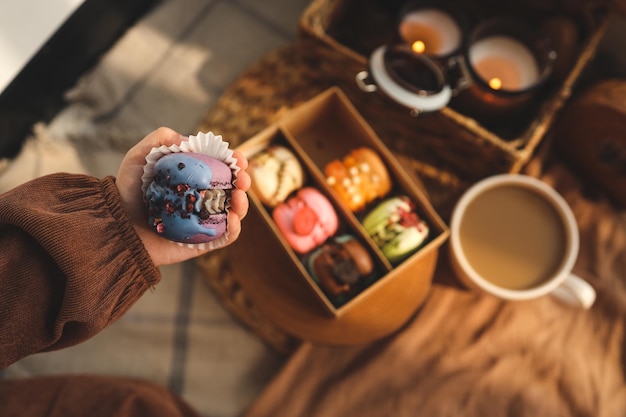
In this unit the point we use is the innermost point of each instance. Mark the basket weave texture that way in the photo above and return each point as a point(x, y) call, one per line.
point(337, 37)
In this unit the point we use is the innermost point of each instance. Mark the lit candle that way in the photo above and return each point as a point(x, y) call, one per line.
point(430, 31)
point(504, 63)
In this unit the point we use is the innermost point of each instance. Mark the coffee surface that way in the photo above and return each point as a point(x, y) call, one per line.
point(512, 237)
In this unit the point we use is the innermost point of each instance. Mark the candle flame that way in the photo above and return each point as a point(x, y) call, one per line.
point(418, 46)
point(495, 83)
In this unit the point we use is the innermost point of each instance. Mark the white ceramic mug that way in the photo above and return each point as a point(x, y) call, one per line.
point(510, 227)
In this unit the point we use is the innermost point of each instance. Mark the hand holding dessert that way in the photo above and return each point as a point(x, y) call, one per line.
point(129, 183)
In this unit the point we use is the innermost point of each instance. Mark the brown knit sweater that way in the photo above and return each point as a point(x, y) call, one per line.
point(71, 263)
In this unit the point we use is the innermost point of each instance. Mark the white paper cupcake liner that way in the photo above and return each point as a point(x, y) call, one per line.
point(204, 143)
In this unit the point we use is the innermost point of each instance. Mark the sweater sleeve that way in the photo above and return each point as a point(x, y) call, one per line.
point(70, 263)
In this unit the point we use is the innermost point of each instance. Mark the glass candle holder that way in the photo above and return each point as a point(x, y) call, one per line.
point(413, 80)
point(508, 64)
point(432, 28)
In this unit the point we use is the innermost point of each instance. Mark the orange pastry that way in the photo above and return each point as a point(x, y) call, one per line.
point(359, 178)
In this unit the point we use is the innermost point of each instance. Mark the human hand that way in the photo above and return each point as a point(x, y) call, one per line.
point(128, 181)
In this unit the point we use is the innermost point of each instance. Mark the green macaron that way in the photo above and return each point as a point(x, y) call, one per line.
point(396, 228)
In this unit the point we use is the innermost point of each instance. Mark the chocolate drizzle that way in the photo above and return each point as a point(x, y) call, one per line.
point(339, 264)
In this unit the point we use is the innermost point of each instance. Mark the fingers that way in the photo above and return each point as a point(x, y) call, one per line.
point(161, 136)
point(239, 203)
point(238, 210)
point(243, 178)
point(243, 181)
point(234, 227)
point(242, 161)
point(239, 199)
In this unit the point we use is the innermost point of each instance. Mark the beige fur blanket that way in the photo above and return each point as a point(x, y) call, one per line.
point(469, 355)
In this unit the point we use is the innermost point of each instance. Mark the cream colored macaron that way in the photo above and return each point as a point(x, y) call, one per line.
point(275, 172)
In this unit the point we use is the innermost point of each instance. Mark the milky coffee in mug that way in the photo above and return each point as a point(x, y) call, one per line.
point(515, 237)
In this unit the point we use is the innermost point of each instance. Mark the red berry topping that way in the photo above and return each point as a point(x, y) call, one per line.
point(304, 220)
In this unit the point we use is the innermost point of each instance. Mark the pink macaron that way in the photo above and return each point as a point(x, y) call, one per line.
point(306, 220)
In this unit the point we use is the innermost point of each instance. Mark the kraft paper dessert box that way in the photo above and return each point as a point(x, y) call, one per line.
point(326, 128)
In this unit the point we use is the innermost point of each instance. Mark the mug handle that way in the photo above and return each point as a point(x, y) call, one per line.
point(575, 291)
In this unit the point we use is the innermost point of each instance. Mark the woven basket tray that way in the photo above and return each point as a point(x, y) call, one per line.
point(337, 37)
